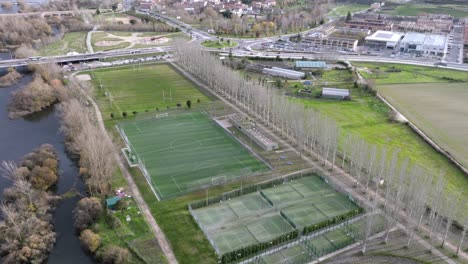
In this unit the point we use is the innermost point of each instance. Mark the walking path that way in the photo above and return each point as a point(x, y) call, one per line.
point(160, 236)
point(88, 39)
point(334, 176)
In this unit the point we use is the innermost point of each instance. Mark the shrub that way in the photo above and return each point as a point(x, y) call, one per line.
point(124, 114)
point(86, 212)
point(112, 115)
point(90, 240)
point(115, 255)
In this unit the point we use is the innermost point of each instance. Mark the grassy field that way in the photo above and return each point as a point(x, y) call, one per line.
point(367, 117)
point(249, 219)
point(217, 44)
point(343, 10)
point(388, 73)
point(437, 109)
point(418, 9)
point(140, 89)
point(186, 151)
point(134, 234)
point(73, 41)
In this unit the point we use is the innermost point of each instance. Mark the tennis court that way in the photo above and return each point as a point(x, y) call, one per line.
point(291, 255)
point(251, 219)
point(184, 151)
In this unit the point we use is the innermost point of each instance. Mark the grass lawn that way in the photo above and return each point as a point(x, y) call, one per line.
point(185, 151)
point(418, 9)
point(367, 117)
point(73, 41)
point(141, 88)
point(218, 44)
point(388, 73)
point(343, 10)
point(437, 109)
point(134, 235)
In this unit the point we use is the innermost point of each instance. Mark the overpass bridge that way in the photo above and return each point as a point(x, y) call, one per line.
point(51, 13)
point(63, 59)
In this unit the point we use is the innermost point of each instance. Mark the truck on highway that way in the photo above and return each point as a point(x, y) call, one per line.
point(35, 58)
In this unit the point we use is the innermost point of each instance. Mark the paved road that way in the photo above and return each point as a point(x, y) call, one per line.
point(81, 57)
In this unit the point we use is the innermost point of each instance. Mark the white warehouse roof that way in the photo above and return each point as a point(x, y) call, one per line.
point(414, 38)
point(435, 40)
point(384, 36)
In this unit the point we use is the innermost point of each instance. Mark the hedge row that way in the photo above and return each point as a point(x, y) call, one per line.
point(254, 249)
point(332, 221)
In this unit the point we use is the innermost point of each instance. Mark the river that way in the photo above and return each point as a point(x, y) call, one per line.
point(19, 137)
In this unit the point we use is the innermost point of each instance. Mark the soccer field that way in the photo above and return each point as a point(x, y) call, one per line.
point(142, 88)
point(186, 151)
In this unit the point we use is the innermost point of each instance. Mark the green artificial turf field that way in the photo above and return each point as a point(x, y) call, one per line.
point(186, 151)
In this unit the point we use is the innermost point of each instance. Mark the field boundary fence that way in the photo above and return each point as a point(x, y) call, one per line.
point(141, 164)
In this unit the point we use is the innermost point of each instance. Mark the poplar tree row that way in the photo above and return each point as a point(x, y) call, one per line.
point(407, 191)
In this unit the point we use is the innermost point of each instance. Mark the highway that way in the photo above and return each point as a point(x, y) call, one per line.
point(81, 57)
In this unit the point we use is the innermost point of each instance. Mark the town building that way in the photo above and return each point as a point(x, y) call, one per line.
point(383, 39)
point(370, 24)
point(330, 42)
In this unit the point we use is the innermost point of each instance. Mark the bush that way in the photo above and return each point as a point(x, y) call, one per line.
point(124, 114)
point(115, 255)
point(112, 115)
point(90, 240)
point(86, 212)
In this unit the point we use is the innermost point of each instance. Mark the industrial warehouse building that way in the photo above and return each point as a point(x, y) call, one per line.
point(335, 93)
point(305, 65)
point(290, 74)
point(423, 44)
point(383, 39)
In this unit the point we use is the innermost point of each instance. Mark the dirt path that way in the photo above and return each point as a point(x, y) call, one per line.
point(160, 236)
point(338, 176)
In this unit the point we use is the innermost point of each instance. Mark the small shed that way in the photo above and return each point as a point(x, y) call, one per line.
point(112, 202)
point(311, 64)
point(335, 93)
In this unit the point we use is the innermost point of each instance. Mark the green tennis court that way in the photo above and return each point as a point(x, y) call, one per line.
point(185, 151)
point(291, 255)
point(250, 219)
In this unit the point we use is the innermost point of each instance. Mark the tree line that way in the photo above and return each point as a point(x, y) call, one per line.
point(95, 154)
point(402, 185)
point(26, 228)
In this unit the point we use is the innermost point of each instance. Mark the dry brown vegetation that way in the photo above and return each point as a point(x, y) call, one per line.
point(26, 228)
point(45, 90)
point(85, 139)
point(10, 78)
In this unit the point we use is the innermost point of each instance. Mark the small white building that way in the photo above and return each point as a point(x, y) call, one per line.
point(383, 39)
point(290, 74)
point(335, 93)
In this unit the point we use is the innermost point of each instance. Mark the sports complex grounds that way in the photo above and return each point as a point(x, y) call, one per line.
point(265, 214)
point(183, 151)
